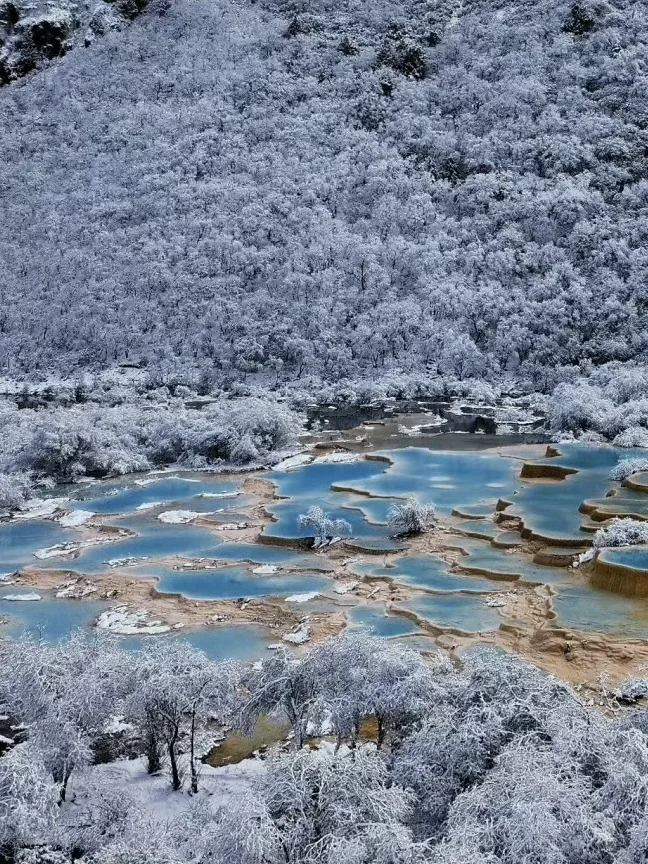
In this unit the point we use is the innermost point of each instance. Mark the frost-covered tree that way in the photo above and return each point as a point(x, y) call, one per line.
point(281, 686)
point(626, 467)
point(28, 800)
point(411, 517)
point(324, 527)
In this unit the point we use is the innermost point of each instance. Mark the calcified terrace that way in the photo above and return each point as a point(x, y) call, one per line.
point(200, 553)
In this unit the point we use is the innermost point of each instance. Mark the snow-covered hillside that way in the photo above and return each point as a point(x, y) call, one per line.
point(332, 191)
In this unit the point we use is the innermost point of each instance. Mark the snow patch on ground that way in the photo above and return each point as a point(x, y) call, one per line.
point(298, 636)
point(74, 590)
point(345, 587)
point(293, 462)
point(125, 622)
point(19, 597)
point(179, 517)
point(152, 794)
point(265, 570)
point(219, 494)
point(67, 550)
point(150, 505)
point(37, 508)
point(231, 526)
point(302, 598)
point(338, 458)
point(125, 562)
point(75, 518)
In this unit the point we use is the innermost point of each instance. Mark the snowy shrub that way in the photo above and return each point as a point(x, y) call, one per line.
point(579, 407)
point(411, 517)
point(325, 528)
point(634, 436)
point(14, 490)
point(28, 799)
point(626, 467)
point(621, 532)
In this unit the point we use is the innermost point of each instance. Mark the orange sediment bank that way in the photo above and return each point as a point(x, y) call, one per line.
point(542, 471)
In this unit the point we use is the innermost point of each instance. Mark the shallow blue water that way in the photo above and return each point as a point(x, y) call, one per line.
point(469, 481)
point(228, 583)
point(124, 496)
point(379, 624)
point(466, 612)
point(53, 620)
point(259, 553)
point(47, 618)
point(586, 608)
point(484, 556)
point(154, 539)
point(629, 556)
point(551, 508)
point(446, 479)
point(19, 540)
point(431, 573)
point(235, 642)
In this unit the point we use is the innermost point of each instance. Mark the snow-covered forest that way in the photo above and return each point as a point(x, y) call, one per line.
point(328, 192)
point(422, 762)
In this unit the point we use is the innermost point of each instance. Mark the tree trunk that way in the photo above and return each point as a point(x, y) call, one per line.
point(152, 752)
point(192, 756)
point(173, 759)
point(380, 731)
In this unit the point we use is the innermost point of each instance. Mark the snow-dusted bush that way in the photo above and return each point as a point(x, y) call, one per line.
point(634, 436)
point(324, 527)
point(626, 467)
point(411, 517)
point(621, 532)
point(14, 489)
point(493, 762)
point(579, 407)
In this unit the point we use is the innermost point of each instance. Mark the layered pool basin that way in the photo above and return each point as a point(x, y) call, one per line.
point(377, 622)
point(233, 582)
point(207, 493)
point(48, 618)
point(467, 613)
point(429, 573)
point(153, 539)
point(53, 620)
point(465, 488)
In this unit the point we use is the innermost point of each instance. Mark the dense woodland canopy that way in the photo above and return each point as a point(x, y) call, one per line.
point(333, 190)
point(492, 763)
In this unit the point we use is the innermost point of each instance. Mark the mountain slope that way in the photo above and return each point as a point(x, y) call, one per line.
point(402, 186)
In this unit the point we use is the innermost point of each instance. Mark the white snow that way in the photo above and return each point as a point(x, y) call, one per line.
point(75, 518)
point(338, 457)
point(75, 590)
point(66, 550)
point(129, 623)
point(125, 562)
point(293, 462)
point(178, 517)
point(302, 598)
point(152, 794)
point(300, 635)
point(345, 587)
point(231, 526)
point(18, 597)
point(265, 570)
point(150, 505)
point(36, 508)
point(219, 494)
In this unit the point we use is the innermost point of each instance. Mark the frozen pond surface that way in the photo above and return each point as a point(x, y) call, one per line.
point(468, 488)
